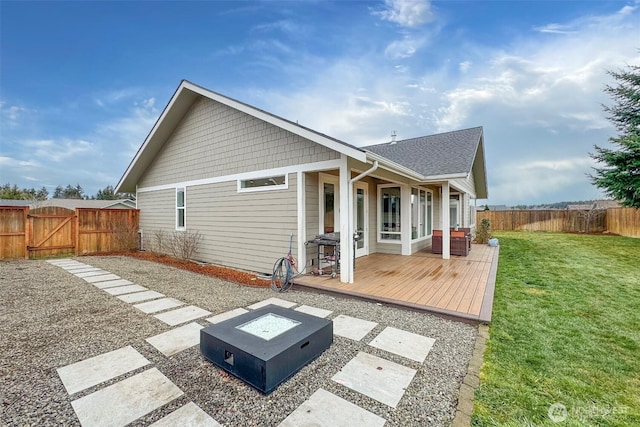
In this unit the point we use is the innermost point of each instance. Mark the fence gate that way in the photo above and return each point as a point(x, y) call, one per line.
point(52, 232)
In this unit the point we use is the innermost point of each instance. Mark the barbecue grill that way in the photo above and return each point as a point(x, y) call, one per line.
point(328, 252)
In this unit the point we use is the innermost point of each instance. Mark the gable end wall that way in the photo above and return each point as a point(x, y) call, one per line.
point(215, 140)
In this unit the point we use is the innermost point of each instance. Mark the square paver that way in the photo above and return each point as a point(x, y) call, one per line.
point(97, 272)
point(140, 296)
point(406, 344)
point(324, 409)
point(120, 290)
point(126, 401)
point(378, 378)
point(101, 278)
point(182, 315)
point(352, 327)
point(112, 283)
point(274, 301)
point(176, 340)
point(314, 311)
point(188, 415)
point(226, 315)
point(89, 372)
point(63, 262)
point(81, 269)
point(158, 305)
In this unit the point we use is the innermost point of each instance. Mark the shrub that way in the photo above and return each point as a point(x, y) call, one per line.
point(484, 231)
point(184, 244)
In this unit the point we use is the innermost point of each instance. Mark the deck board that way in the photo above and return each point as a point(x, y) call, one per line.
point(457, 286)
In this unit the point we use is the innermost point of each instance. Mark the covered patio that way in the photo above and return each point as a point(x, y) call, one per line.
point(460, 287)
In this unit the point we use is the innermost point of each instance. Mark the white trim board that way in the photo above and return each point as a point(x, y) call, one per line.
point(306, 167)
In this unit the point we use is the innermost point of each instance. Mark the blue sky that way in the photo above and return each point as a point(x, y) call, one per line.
point(81, 83)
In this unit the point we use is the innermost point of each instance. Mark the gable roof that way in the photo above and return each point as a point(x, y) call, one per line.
point(448, 155)
point(443, 156)
point(181, 101)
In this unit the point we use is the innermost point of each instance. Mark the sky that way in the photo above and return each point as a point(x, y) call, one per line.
point(82, 83)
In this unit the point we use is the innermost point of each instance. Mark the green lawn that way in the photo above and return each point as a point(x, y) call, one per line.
point(566, 330)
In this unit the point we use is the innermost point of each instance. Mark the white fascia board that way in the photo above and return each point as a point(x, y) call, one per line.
point(394, 167)
point(307, 167)
point(281, 123)
point(151, 134)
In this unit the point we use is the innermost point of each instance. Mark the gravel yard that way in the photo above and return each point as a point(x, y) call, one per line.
point(50, 318)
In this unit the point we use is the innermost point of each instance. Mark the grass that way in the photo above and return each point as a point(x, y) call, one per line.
point(565, 329)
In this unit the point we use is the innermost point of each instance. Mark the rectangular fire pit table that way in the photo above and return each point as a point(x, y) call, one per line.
point(266, 346)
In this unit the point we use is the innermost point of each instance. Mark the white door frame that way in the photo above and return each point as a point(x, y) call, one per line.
point(362, 186)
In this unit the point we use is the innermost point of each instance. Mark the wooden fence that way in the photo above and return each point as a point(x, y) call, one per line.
point(55, 231)
point(623, 221)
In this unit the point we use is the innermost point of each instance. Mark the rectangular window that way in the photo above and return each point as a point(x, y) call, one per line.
point(389, 226)
point(454, 210)
point(180, 209)
point(415, 213)
point(472, 212)
point(279, 182)
point(421, 213)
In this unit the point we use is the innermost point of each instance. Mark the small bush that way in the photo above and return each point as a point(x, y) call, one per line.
point(184, 244)
point(483, 234)
point(124, 234)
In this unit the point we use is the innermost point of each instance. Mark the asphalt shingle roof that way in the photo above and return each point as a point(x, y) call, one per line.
point(434, 155)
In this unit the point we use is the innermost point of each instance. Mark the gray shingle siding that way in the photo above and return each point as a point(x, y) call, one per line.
point(215, 140)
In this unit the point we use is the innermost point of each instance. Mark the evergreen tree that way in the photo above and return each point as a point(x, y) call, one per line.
point(620, 175)
point(59, 192)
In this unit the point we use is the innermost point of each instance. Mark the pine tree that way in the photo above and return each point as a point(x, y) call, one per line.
point(620, 175)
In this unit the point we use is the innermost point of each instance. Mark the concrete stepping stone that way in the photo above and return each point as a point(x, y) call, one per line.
point(324, 409)
point(188, 415)
point(158, 305)
point(314, 311)
point(120, 290)
point(406, 344)
point(274, 301)
point(182, 315)
point(352, 327)
point(88, 268)
point(89, 372)
point(101, 278)
point(112, 283)
point(378, 378)
point(176, 340)
point(140, 296)
point(226, 315)
point(60, 262)
point(126, 401)
point(91, 273)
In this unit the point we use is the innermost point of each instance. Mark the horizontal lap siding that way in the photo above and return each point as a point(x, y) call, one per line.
point(215, 140)
point(248, 231)
point(157, 211)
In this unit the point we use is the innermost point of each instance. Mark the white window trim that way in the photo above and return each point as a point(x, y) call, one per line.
point(459, 207)
point(379, 232)
point(423, 215)
point(276, 187)
point(324, 178)
point(472, 218)
point(184, 208)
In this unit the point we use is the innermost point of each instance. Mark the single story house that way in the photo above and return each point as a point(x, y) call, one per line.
point(246, 180)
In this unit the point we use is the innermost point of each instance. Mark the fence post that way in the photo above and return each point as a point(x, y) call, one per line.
point(27, 234)
point(76, 233)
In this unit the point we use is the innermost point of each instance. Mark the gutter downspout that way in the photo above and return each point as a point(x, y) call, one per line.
point(350, 228)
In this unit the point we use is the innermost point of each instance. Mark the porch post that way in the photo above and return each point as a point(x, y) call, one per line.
point(405, 218)
point(346, 223)
point(444, 214)
point(302, 223)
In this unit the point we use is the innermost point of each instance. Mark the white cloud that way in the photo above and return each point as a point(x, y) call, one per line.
point(407, 13)
point(404, 48)
point(464, 66)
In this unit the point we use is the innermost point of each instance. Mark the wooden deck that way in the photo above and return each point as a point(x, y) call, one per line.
point(460, 287)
